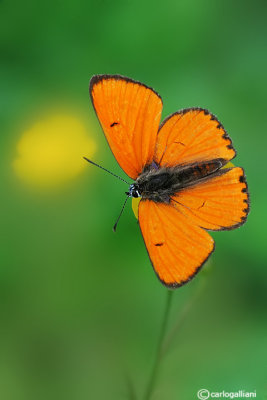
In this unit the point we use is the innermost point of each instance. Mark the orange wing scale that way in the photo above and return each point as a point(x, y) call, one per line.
point(192, 135)
point(129, 113)
point(177, 248)
point(217, 204)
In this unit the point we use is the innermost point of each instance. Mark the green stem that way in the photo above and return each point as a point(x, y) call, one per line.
point(154, 372)
point(185, 311)
point(131, 389)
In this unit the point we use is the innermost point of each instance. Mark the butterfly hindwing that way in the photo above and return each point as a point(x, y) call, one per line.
point(192, 135)
point(176, 247)
point(218, 203)
point(129, 113)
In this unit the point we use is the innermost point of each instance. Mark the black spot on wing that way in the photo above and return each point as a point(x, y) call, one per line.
point(202, 205)
point(113, 124)
point(158, 244)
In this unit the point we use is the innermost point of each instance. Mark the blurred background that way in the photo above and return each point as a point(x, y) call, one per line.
point(80, 306)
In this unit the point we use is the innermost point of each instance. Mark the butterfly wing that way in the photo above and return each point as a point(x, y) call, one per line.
point(176, 247)
point(129, 113)
point(192, 135)
point(218, 203)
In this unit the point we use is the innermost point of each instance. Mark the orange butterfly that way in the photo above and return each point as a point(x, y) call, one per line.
point(177, 169)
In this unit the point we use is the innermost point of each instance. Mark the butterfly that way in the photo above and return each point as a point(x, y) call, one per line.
point(178, 168)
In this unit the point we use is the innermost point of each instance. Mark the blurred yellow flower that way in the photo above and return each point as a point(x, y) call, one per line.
point(51, 151)
point(136, 200)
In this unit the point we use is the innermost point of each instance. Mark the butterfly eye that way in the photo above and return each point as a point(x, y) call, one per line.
point(133, 191)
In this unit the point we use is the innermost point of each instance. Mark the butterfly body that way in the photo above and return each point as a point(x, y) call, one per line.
point(178, 171)
point(160, 184)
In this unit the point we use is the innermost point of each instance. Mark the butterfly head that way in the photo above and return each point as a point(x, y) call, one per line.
point(134, 191)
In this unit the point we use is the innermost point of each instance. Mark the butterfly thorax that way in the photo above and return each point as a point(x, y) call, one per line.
point(161, 183)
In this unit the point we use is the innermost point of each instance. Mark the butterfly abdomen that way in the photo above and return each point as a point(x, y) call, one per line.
point(159, 184)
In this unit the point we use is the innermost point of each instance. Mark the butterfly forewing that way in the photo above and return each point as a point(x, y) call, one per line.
point(129, 113)
point(192, 135)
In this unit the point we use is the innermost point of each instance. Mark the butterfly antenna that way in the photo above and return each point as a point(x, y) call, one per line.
point(99, 166)
point(124, 204)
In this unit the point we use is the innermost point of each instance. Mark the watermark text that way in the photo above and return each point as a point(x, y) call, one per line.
point(204, 394)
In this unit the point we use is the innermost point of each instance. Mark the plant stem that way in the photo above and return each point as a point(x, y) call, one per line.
point(130, 387)
point(186, 309)
point(156, 364)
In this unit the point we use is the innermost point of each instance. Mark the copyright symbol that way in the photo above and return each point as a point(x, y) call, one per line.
point(203, 394)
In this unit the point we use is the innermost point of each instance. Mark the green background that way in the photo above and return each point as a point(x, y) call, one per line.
point(80, 306)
